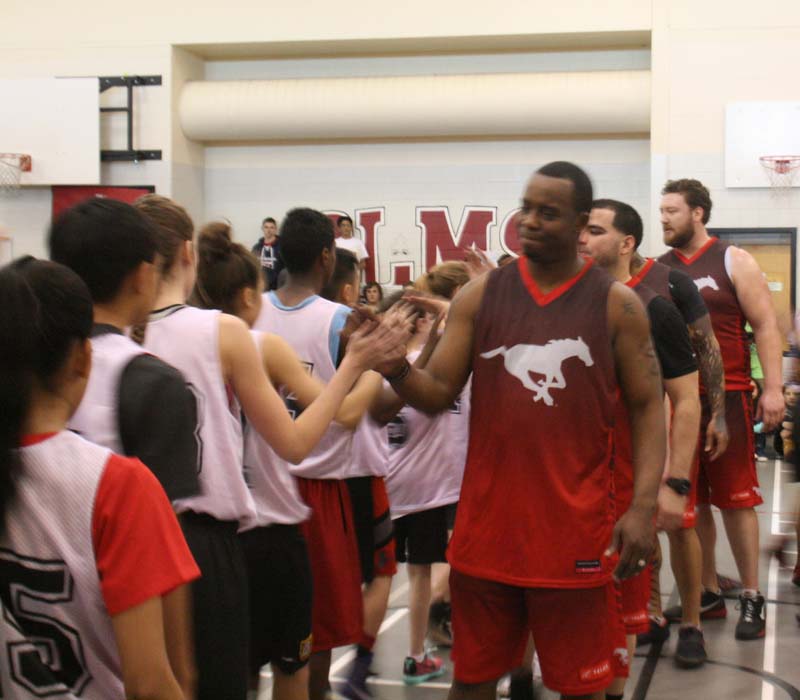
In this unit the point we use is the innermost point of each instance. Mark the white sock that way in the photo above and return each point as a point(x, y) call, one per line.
point(418, 658)
point(750, 593)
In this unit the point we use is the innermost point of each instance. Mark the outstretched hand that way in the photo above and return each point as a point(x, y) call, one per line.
point(478, 263)
point(375, 344)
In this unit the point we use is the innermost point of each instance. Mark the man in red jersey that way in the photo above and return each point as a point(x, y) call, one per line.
point(735, 292)
point(549, 341)
point(611, 238)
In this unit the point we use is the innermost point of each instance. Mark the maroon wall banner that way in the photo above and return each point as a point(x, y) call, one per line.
point(66, 196)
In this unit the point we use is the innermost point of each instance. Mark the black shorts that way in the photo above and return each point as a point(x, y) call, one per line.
point(221, 616)
point(452, 509)
point(373, 524)
point(422, 537)
point(279, 575)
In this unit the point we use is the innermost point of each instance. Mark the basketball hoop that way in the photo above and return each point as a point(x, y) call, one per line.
point(12, 165)
point(781, 171)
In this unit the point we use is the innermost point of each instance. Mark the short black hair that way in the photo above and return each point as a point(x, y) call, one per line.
point(269, 220)
point(346, 268)
point(582, 191)
point(304, 234)
point(626, 218)
point(694, 192)
point(103, 240)
point(343, 218)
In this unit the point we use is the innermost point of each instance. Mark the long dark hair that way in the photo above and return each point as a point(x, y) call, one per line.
point(44, 309)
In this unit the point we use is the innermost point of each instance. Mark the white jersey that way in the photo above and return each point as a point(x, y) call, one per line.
point(309, 330)
point(421, 473)
point(188, 339)
point(97, 418)
point(48, 560)
point(370, 455)
point(459, 432)
point(274, 489)
point(354, 245)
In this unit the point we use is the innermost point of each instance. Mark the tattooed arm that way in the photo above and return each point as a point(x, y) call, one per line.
point(712, 373)
point(639, 378)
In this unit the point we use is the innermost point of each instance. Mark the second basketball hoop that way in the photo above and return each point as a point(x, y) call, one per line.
point(781, 171)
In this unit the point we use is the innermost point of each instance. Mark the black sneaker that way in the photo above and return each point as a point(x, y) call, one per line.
point(752, 619)
point(691, 649)
point(712, 606)
point(658, 632)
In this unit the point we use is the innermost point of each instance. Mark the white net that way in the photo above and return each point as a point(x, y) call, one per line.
point(12, 165)
point(781, 171)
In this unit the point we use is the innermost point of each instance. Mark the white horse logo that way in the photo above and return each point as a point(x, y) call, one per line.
point(707, 283)
point(522, 360)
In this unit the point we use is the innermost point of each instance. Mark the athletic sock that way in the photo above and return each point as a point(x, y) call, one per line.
point(418, 658)
point(750, 593)
point(365, 644)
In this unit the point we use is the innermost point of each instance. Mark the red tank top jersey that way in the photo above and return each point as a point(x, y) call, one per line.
point(536, 508)
point(654, 275)
point(707, 268)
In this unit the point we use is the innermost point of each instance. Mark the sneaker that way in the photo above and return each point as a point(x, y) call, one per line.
point(355, 688)
point(691, 649)
point(521, 686)
point(658, 632)
point(752, 622)
point(728, 584)
point(415, 672)
point(712, 606)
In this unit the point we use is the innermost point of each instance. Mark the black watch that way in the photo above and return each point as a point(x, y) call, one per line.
point(679, 486)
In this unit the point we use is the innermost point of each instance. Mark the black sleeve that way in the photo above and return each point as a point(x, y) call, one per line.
point(671, 339)
point(158, 424)
point(686, 296)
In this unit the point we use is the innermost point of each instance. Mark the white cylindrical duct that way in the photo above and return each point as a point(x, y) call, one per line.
point(508, 104)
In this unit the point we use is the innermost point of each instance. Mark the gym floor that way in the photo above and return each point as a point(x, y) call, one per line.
point(768, 669)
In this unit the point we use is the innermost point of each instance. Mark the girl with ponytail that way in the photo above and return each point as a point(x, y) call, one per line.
point(89, 534)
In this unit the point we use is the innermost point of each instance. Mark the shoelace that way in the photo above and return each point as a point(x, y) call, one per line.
point(748, 606)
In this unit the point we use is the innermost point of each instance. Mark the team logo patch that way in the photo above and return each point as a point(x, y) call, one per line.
point(634, 619)
point(305, 648)
point(595, 673)
point(398, 432)
point(621, 656)
point(740, 495)
point(707, 282)
point(588, 566)
point(521, 361)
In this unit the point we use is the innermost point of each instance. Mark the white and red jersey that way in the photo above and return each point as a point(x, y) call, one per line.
point(272, 486)
point(89, 535)
point(421, 473)
point(97, 417)
point(311, 329)
point(188, 339)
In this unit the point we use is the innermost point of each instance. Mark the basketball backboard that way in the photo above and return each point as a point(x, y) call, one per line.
point(57, 122)
point(755, 129)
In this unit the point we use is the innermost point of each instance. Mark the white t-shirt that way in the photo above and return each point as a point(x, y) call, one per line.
point(354, 245)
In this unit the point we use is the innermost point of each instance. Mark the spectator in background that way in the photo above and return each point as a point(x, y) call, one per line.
point(758, 379)
point(346, 240)
point(373, 295)
point(267, 250)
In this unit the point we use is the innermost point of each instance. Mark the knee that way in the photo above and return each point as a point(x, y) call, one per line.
point(290, 668)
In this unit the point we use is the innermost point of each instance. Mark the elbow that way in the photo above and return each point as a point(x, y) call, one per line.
point(349, 421)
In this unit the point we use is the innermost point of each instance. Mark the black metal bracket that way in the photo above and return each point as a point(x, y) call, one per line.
point(128, 82)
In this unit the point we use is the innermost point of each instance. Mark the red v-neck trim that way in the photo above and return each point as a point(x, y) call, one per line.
point(693, 258)
point(634, 281)
point(533, 288)
point(35, 438)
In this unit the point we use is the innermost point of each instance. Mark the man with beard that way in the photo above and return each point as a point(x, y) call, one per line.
point(735, 292)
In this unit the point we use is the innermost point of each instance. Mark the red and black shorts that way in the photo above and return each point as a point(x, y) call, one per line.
point(373, 522)
point(337, 611)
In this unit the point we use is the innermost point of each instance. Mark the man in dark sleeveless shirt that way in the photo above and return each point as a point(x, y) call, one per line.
point(735, 292)
point(611, 239)
point(549, 341)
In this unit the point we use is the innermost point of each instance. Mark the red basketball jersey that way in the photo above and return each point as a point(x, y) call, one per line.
point(708, 270)
point(535, 508)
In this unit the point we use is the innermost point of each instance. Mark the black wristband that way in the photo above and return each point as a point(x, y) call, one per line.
point(400, 375)
point(680, 486)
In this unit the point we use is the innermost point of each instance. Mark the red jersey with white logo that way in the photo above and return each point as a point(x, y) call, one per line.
point(536, 508)
point(709, 267)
